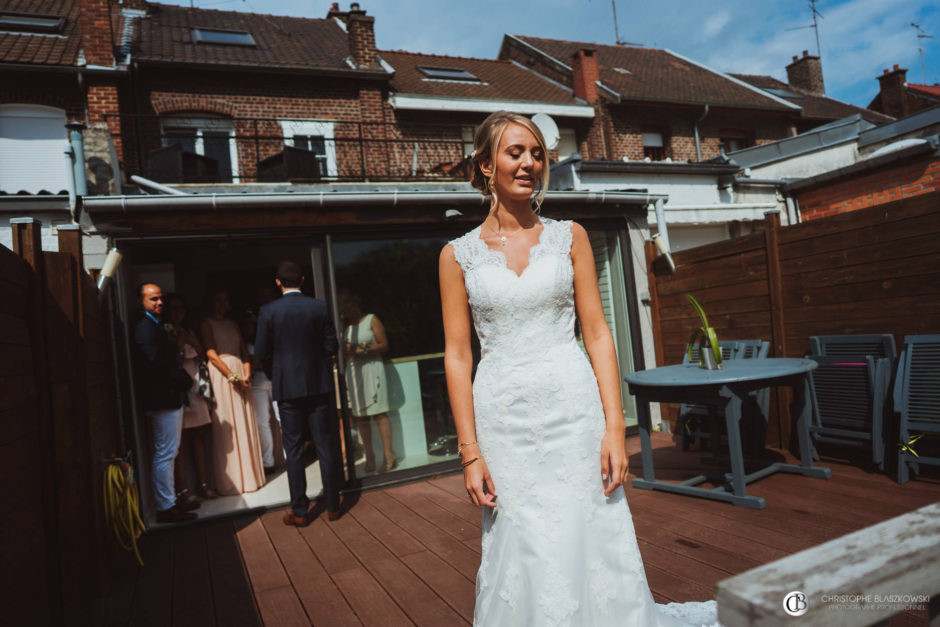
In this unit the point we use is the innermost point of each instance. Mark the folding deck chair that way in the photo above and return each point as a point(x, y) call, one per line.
point(850, 389)
point(848, 402)
point(917, 400)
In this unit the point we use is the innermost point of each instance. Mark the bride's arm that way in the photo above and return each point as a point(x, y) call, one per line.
point(600, 348)
point(458, 364)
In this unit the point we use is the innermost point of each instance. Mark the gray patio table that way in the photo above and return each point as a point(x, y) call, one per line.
point(725, 389)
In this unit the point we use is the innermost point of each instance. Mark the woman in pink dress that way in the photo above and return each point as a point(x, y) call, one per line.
point(236, 450)
point(196, 419)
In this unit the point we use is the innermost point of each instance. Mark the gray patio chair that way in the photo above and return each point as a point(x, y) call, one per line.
point(848, 395)
point(691, 417)
point(876, 345)
point(917, 400)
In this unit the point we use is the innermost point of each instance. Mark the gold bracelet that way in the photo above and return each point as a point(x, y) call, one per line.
point(467, 463)
point(462, 445)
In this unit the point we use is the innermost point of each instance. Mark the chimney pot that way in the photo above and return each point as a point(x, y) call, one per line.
point(585, 74)
point(354, 6)
point(805, 75)
point(886, 70)
point(896, 66)
point(334, 6)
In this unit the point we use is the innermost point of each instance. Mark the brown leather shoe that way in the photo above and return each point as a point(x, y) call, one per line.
point(290, 518)
point(174, 515)
point(334, 515)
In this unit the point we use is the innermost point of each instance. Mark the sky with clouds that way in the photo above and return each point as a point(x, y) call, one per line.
point(859, 38)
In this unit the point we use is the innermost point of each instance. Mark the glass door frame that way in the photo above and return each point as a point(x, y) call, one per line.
point(354, 483)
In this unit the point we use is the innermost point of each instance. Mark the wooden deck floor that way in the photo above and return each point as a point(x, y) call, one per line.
point(409, 554)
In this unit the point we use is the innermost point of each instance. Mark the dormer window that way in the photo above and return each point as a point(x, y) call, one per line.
point(226, 37)
point(448, 74)
point(31, 22)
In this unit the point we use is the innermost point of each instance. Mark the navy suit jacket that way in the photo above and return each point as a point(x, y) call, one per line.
point(294, 342)
point(160, 384)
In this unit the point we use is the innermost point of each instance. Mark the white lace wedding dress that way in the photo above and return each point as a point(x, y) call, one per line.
point(556, 551)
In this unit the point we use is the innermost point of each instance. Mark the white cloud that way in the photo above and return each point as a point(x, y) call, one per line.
point(715, 24)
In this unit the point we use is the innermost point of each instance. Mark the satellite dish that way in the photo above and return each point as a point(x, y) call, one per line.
point(549, 129)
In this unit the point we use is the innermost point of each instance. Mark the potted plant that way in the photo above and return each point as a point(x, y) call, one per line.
point(709, 353)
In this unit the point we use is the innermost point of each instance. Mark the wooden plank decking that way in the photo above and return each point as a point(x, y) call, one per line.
point(408, 554)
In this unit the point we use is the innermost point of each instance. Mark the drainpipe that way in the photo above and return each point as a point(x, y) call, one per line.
point(698, 145)
point(78, 146)
point(70, 169)
point(661, 239)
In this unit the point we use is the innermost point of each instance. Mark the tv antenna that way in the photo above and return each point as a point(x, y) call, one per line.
point(814, 25)
point(921, 35)
point(620, 42)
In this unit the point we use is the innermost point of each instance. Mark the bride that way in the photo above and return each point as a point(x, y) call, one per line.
point(540, 429)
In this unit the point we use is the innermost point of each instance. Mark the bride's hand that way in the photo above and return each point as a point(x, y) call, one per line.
point(479, 484)
point(613, 461)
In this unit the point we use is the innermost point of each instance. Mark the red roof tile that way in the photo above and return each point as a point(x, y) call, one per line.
point(654, 75)
point(282, 42)
point(929, 91)
point(42, 48)
point(499, 80)
point(817, 107)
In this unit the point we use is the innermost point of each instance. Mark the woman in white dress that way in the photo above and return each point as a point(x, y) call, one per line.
point(540, 429)
point(365, 342)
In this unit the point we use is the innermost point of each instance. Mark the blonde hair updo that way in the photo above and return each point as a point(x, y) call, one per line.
point(486, 143)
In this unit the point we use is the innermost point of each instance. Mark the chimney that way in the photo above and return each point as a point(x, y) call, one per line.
point(94, 23)
point(360, 33)
point(893, 92)
point(805, 75)
point(584, 74)
point(137, 5)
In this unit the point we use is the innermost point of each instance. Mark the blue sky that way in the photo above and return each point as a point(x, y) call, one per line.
point(859, 37)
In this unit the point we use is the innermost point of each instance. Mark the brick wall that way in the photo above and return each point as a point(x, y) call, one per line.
point(629, 121)
point(905, 181)
point(43, 89)
point(94, 19)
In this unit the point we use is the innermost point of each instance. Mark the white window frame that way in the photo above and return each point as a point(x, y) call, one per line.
point(320, 128)
point(170, 122)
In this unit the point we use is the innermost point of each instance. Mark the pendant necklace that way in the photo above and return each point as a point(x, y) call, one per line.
point(503, 238)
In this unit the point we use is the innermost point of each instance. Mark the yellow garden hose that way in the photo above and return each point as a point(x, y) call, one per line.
point(122, 505)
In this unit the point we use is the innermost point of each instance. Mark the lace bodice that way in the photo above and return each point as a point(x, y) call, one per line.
point(518, 316)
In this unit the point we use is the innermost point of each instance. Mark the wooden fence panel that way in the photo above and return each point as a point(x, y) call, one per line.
point(24, 544)
point(874, 270)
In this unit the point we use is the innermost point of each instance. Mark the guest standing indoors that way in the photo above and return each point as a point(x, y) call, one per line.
point(364, 342)
point(540, 426)
point(161, 383)
point(295, 341)
point(196, 420)
point(236, 449)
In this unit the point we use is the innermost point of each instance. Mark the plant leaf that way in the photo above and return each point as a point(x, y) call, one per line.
point(698, 308)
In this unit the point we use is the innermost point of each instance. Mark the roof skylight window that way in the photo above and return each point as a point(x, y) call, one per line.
point(217, 36)
point(448, 74)
point(31, 22)
point(783, 93)
point(622, 70)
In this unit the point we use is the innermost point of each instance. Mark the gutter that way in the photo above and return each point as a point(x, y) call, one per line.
point(312, 200)
point(64, 69)
point(266, 69)
point(657, 167)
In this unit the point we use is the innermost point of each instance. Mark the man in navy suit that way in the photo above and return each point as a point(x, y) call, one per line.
point(161, 383)
point(295, 341)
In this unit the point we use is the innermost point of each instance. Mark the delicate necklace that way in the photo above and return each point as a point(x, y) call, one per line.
point(502, 238)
